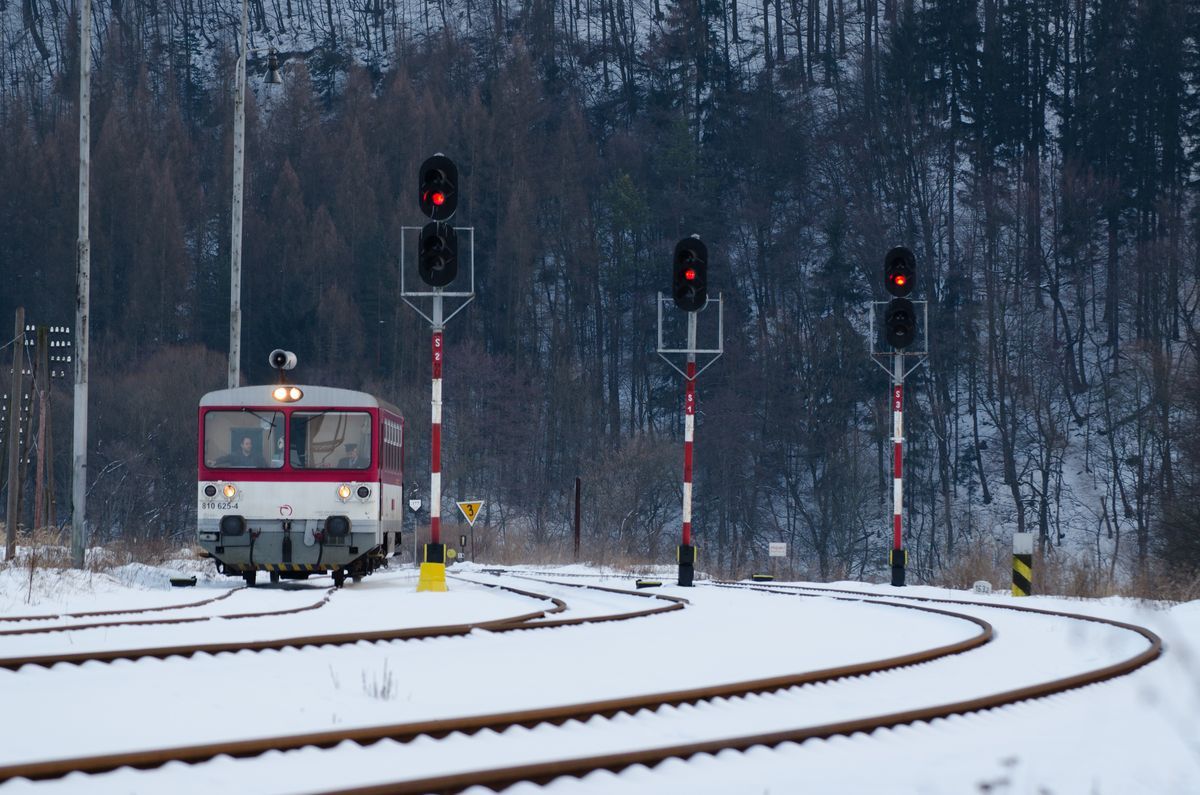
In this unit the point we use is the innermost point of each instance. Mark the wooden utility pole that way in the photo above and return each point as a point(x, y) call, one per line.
point(14, 440)
point(235, 237)
point(83, 291)
point(578, 490)
point(43, 506)
point(51, 499)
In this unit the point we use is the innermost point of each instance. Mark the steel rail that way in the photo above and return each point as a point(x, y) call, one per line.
point(335, 639)
point(498, 722)
point(542, 773)
point(126, 611)
point(1150, 636)
point(145, 622)
point(534, 574)
point(674, 603)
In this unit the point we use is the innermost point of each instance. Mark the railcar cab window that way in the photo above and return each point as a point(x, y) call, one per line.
point(244, 439)
point(330, 440)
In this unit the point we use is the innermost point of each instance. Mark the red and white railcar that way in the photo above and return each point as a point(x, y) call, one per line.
point(298, 480)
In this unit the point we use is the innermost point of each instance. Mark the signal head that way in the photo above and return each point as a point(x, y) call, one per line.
point(900, 323)
point(689, 274)
point(437, 254)
point(899, 271)
point(437, 187)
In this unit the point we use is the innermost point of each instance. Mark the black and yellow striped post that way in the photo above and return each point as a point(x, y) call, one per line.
point(1022, 583)
point(685, 554)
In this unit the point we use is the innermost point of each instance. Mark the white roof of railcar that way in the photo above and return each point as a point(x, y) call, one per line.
point(314, 397)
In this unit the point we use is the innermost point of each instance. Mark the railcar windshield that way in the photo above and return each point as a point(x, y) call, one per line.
point(330, 440)
point(246, 439)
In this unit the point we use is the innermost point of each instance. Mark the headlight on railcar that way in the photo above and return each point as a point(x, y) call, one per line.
point(363, 492)
point(230, 491)
point(287, 394)
point(210, 490)
point(343, 492)
point(337, 526)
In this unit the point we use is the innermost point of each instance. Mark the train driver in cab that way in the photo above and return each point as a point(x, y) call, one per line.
point(351, 460)
point(244, 456)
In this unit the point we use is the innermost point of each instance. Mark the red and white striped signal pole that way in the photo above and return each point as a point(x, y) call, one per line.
point(435, 435)
point(900, 331)
point(437, 265)
point(687, 552)
point(689, 290)
point(433, 566)
point(898, 556)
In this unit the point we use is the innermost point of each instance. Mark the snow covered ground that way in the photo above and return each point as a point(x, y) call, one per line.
point(1140, 734)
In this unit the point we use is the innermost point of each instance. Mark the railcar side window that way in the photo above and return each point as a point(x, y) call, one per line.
point(243, 439)
point(331, 440)
point(392, 440)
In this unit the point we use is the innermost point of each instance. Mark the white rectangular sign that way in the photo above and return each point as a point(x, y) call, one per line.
point(777, 549)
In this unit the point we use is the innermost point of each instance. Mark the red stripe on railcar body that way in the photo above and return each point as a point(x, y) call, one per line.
point(375, 473)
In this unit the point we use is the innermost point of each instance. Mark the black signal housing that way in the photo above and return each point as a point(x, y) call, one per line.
point(689, 274)
point(437, 188)
point(900, 323)
point(899, 271)
point(437, 254)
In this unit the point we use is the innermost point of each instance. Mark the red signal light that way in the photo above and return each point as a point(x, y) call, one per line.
point(689, 274)
point(899, 271)
point(437, 187)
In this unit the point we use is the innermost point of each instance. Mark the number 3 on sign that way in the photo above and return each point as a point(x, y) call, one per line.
point(470, 509)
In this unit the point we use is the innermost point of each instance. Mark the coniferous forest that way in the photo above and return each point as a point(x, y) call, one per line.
point(1039, 158)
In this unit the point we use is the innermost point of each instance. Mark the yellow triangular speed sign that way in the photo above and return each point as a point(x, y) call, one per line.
point(470, 510)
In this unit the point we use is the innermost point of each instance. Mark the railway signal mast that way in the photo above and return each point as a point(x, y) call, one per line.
point(689, 291)
point(437, 265)
point(900, 331)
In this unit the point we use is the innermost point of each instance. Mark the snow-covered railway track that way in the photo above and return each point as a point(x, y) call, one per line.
point(45, 628)
point(48, 659)
point(542, 744)
point(119, 612)
point(544, 772)
point(540, 619)
point(613, 714)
